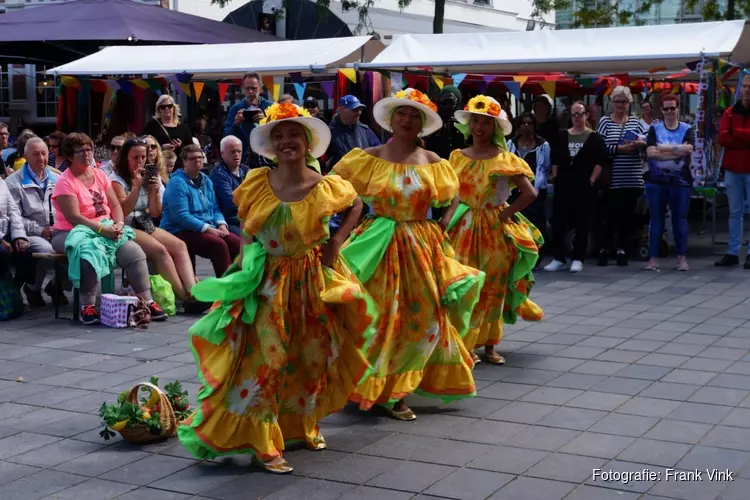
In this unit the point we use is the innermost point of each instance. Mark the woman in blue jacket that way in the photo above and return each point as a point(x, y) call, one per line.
point(190, 212)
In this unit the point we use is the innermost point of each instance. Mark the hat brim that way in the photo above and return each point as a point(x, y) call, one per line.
point(463, 117)
point(260, 137)
point(383, 110)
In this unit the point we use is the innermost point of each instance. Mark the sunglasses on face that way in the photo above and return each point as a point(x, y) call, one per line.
point(669, 108)
point(578, 114)
point(166, 106)
point(151, 147)
point(113, 147)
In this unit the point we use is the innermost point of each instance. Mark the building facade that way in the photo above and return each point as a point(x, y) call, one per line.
point(664, 12)
point(27, 95)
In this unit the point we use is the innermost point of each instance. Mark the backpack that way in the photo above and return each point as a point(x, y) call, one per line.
point(11, 301)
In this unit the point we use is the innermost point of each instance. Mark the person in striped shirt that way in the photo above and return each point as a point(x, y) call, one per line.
point(624, 136)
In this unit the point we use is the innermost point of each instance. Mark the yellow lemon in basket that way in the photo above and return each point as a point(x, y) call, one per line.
point(146, 415)
point(119, 425)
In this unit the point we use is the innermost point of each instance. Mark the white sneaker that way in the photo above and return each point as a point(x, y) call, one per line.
point(576, 266)
point(555, 265)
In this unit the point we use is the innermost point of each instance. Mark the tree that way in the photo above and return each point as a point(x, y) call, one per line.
point(363, 10)
point(588, 13)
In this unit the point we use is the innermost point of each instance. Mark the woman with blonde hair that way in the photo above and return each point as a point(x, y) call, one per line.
point(407, 263)
point(155, 156)
point(166, 128)
point(487, 232)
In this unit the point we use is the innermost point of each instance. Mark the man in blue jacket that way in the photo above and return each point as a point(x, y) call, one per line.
point(244, 116)
point(226, 177)
point(347, 132)
point(190, 212)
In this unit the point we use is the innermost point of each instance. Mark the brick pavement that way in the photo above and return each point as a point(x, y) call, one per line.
point(629, 370)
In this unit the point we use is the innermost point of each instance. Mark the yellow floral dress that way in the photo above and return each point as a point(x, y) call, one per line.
point(407, 265)
point(284, 344)
point(505, 251)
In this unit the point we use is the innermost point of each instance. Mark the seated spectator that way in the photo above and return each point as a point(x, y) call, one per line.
point(170, 160)
point(16, 160)
point(140, 198)
point(155, 156)
point(4, 150)
point(115, 145)
point(31, 189)
point(54, 141)
point(89, 228)
point(191, 213)
point(12, 234)
point(227, 177)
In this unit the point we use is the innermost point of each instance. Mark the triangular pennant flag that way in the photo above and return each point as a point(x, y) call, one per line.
point(299, 89)
point(223, 89)
point(198, 88)
point(488, 78)
point(549, 88)
point(125, 86)
point(184, 77)
point(514, 88)
point(267, 81)
point(458, 78)
point(350, 73)
point(397, 82)
point(624, 78)
point(70, 81)
point(438, 81)
point(327, 88)
point(520, 79)
point(586, 83)
point(296, 77)
point(140, 83)
point(278, 84)
point(413, 81)
point(186, 89)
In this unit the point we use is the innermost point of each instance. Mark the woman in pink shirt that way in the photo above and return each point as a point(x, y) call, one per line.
point(83, 196)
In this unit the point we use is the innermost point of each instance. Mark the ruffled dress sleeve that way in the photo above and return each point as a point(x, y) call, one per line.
point(255, 201)
point(332, 195)
point(445, 183)
point(359, 167)
point(510, 165)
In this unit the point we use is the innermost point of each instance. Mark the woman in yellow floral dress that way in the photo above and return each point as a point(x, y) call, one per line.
point(489, 234)
point(284, 344)
point(406, 263)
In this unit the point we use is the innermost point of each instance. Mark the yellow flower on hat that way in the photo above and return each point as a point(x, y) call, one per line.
point(483, 104)
point(281, 111)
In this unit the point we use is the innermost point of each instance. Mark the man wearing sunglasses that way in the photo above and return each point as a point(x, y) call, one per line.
point(244, 116)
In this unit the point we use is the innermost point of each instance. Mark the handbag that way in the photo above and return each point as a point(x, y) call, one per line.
point(11, 301)
point(145, 223)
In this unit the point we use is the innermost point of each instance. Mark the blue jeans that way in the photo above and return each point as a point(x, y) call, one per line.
point(678, 199)
point(738, 194)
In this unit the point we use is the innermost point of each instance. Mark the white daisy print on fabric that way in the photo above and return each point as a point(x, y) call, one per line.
point(243, 396)
point(271, 239)
point(409, 182)
point(431, 339)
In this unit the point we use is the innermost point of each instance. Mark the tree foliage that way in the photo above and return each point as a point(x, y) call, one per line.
point(590, 13)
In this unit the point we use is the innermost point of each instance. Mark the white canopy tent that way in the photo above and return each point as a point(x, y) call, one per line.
point(230, 60)
point(595, 51)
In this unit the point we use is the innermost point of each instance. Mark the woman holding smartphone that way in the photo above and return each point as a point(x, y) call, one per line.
point(139, 189)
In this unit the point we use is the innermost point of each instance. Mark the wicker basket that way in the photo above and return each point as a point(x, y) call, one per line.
point(140, 433)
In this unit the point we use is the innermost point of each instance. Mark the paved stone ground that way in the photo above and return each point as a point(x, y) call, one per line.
point(629, 370)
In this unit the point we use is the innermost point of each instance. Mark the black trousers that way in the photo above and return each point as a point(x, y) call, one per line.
point(573, 207)
point(619, 219)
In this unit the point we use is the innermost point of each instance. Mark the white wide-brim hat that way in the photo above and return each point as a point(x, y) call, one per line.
point(463, 116)
point(319, 136)
point(382, 112)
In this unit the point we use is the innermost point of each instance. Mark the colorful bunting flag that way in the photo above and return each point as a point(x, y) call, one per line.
point(514, 88)
point(299, 89)
point(350, 73)
point(439, 82)
point(278, 83)
point(184, 77)
point(198, 88)
point(488, 78)
point(585, 82)
point(549, 88)
point(327, 88)
point(520, 79)
point(70, 81)
point(140, 83)
point(223, 89)
point(186, 89)
point(458, 78)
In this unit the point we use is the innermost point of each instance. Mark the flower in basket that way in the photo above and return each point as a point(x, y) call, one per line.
point(416, 96)
point(483, 104)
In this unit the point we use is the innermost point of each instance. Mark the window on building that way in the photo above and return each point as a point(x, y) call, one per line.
point(46, 103)
point(483, 2)
point(18, 81)
point(4, 94)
